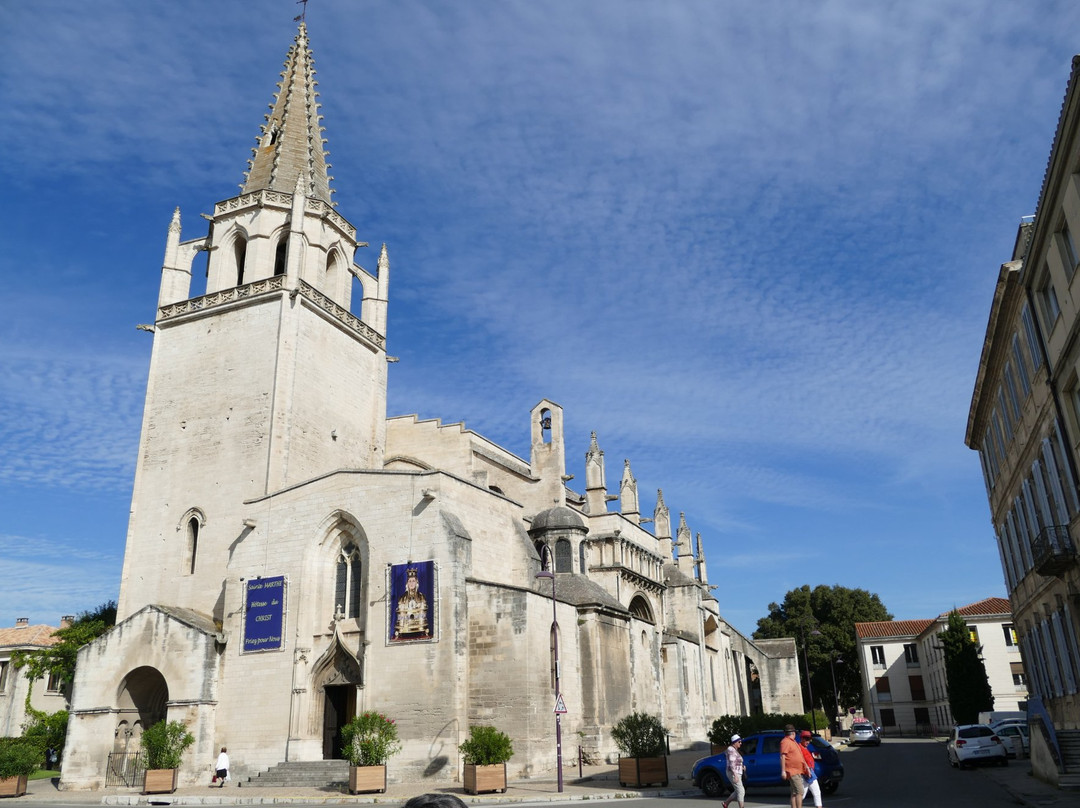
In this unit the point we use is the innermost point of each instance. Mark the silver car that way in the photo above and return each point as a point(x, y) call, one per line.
point(863, 732)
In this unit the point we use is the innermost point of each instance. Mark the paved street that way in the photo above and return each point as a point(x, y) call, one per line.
point(898, 773)
point(915, 772)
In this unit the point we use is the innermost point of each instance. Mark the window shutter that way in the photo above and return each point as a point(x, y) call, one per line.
point(1055, 482)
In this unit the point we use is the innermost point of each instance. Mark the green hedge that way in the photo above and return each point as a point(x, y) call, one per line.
point(727, 725)
point(19, 756)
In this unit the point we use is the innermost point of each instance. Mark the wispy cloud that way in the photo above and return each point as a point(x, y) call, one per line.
point(752, 244)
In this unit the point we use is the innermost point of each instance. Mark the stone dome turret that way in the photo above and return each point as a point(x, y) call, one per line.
point(558, 518)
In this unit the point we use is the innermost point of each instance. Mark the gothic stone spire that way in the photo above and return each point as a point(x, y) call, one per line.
point(628, 497)
point(291, 142)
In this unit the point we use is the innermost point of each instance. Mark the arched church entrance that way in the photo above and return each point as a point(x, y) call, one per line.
point(337, 676)
point(141, 699)
point(141, 702)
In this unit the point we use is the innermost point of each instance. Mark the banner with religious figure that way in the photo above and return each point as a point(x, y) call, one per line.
point(412, 605)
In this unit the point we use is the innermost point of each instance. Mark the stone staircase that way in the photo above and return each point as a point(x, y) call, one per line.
point(303, 774)
point(1069, 742)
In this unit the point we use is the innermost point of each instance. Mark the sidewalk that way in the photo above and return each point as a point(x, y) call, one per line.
point(1016, 778)
point(600, 782)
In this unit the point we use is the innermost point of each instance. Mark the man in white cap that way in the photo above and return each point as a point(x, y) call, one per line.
point(735, 772)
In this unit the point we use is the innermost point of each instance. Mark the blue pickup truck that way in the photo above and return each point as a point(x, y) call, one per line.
point(761, 759)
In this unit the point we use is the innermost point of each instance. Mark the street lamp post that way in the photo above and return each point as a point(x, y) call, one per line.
point(809, 690)
point(548, 571)
point(835, 692)
point(809, 686)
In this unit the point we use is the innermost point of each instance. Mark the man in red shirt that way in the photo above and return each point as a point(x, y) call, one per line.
point(793, 766)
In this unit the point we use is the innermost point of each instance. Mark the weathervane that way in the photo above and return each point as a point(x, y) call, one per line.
point(303, 14)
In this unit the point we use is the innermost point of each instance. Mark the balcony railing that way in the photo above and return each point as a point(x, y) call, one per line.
point(1053, 550)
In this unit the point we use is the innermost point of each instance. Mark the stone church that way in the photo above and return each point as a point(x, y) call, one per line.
point(294, 556)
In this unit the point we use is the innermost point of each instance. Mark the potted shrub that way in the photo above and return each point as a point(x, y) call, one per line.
point(485, 754)
point(642, 740)
point(164, 745)
point(369, 740)
point(19, 758)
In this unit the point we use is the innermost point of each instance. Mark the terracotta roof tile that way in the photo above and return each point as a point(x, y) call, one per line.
point(891, 628)
point(28, 636)
point(987, 606)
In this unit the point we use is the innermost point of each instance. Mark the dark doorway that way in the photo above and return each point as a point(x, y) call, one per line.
point(339, 706)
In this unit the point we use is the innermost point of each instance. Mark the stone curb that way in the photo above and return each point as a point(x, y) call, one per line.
point(495, 799)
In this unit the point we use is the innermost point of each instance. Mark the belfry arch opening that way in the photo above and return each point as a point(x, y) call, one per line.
point(239, 257)
point(280, 254)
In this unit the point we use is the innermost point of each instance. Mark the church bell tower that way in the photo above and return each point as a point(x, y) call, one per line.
point(273, 375)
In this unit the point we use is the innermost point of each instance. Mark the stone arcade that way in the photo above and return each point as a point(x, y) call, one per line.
point(294, 556)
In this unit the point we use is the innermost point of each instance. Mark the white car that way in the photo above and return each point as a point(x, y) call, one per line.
point(1008, 730)
point(975, 743)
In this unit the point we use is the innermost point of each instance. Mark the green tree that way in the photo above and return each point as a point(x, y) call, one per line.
point(965, 672)
point(59, 659)
point(822, 622)
point(50, 729)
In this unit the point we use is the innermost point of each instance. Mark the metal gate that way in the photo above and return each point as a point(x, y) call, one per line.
point(125, 769)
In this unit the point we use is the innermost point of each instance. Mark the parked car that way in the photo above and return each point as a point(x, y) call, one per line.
point(975, 743)
point(863, 732)
point(1007, 730)
point(761, 759)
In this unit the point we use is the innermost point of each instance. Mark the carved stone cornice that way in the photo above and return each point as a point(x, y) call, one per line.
point(267, 286)
point(267, 198)
point(245, 292)
point(342, 314)
point(631, 576)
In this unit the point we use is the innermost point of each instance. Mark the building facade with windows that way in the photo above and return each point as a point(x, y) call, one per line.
point(1024, 421)
point(295, 557)
point(47, 695)
point(903, 667)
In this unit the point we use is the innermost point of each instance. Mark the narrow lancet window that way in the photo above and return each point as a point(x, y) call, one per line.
point(279, 257)
point(192, 544)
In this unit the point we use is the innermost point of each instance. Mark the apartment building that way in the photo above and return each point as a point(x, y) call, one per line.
point(903, 667)
point(1024, 421)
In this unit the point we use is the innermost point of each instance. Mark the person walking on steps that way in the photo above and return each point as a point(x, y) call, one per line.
point(222, 766)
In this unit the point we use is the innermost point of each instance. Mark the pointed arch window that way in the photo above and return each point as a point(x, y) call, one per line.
point(332, 275)
point(564, 556)
point(279, 256)
point(545, 556)
point(239, 256)
point(347, 585)
point(191, 550)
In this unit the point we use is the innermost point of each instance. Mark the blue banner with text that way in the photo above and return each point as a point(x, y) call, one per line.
point(264, 614)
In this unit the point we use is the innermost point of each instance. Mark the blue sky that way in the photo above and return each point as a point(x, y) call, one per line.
point(751, 244)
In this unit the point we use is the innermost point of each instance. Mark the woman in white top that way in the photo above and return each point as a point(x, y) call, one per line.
point(222, 767)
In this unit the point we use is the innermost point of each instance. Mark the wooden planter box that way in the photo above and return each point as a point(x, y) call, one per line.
point(13, 786)
point(160, 781)
point(643, 771)
point(485, 778)
point(367, 778)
